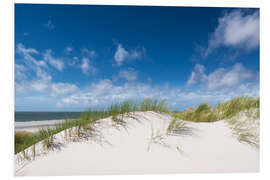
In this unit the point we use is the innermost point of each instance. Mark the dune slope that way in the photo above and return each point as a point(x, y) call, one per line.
point(143, 146)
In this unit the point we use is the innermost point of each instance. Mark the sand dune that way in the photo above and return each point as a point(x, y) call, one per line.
point(144, 147)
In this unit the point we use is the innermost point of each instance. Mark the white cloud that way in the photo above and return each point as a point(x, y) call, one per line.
point(40, 81)
point(62, 88)
point(49, 25)
point(32, 62)
point(56, 63)
point(52, 89)
point(87, 68)
point(236, 29)
point(128, 74)
point(197, 75)
point(89, 53)
point(221, 77)
point(102, 86)
point(104, 92)
point(43, 84)
point(20, 72)
point(21, 49)
point(122, 54)
point(68, 49)
point(28, 54)
point(229, 78)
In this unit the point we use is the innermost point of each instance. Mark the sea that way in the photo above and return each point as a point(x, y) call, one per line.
point(44, 116)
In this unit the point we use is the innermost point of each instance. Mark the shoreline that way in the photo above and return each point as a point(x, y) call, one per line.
point(34, 126)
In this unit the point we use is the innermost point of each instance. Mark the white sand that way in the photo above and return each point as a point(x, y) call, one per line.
point(211, 148)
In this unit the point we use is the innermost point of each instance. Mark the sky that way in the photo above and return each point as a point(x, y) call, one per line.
point(75, 57)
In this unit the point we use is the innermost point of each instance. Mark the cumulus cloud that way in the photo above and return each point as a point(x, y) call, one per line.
point(104, 92)
point(128, 74)
point(55, 62)
point(221, 77)
point(87, 68)
point(62, 88)
point(237, 29)
point(229, 78)
point(49, 25)
point(43, 83)
point(122, 54)
point(40, 80)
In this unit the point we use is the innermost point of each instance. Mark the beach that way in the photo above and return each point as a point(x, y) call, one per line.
point(34, 126)
point(115, 89)
point(144, 147)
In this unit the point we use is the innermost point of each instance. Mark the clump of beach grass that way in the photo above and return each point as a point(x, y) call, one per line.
point(34, 151)
point(23, 139)
point(119, 110)
point(178, 127)
point(225, 110)
point(48, 143)
point(233, 107)
point(202, 113)
point(249, 138)
point(25, 156)
point(245, 127)
point(154, 105)
point(175, 126)
point(21, 136)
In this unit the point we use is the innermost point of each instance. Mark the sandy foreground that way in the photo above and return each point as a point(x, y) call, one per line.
point(143, 147)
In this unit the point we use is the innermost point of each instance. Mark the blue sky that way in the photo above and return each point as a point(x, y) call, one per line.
point(72, 57)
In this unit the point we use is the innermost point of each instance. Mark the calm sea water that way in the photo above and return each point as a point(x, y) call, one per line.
point(42, 116)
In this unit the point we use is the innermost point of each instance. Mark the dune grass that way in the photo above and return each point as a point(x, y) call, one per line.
point(85, 123)
point(202, 113)
point(245, 127)
point(21, 138)
point(177, 127)
point(241, 114)
point(233, 107)
point(225, 110)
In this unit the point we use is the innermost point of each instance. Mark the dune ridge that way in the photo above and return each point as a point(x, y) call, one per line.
point(142, 145)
